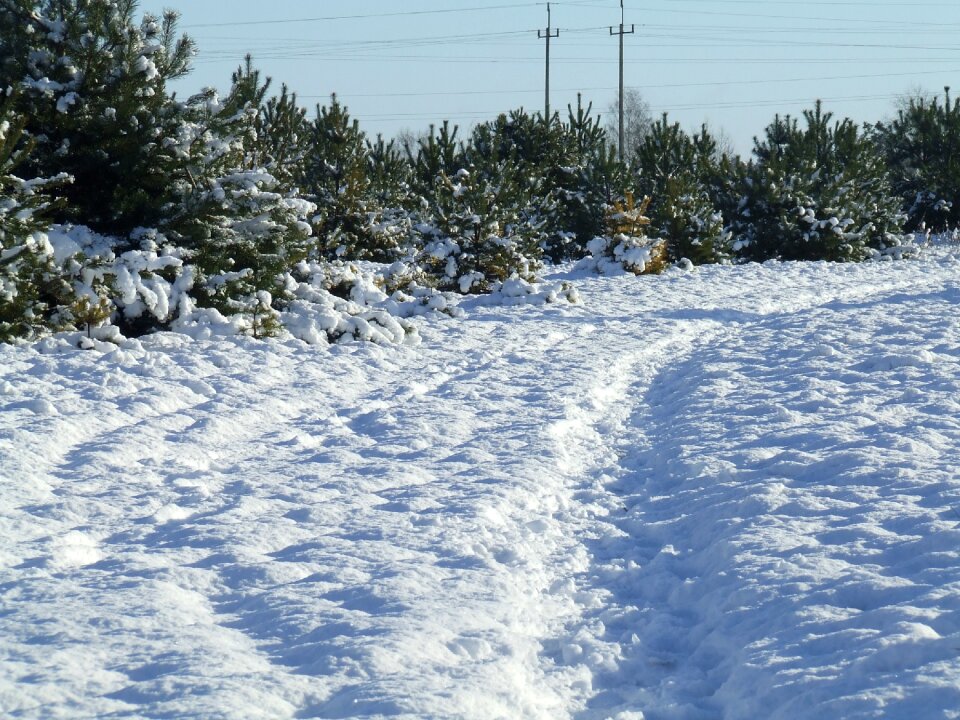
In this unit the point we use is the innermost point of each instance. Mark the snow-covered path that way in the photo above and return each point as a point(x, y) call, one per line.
point(724, 494)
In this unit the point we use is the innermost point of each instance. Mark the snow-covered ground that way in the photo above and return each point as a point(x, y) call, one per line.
point(731, 493)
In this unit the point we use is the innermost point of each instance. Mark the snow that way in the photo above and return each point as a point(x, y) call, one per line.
point(723, 493)
point(65, 101)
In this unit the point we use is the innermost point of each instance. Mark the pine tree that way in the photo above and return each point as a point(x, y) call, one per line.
point(93, 88)
point(281, 128)
point(591, 181)
point(679, 171)
point(689, 223)
point(240, 230)
point(388, 173)
point(475, 220)
point(478, 236)
point(922, 149)
point(816, 193)
point(35, 295)
point(625, 244)
point(437, 154)
point(335, 177)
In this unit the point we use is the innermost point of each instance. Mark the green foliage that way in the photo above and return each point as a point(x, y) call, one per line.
point(479, 219)
point(922, 149)
point(689, 223)
point(679, 171)
point(93, 87)
point(281, 127)
point(437, 154)
point(478, 236)
point(590, 180)
point(389, 174)
point(819, 192)
point(337, 176)
point(238, 227)
point(34, 295)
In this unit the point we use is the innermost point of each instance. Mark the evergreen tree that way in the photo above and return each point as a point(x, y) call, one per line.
point(475, 221)
point(625, 244)
point(388, 173)
point(689, 223)
point(241, 231)
point(678, 171)
point(93, 88)
point(816, 193)
point(478, 236)
point(922, 149)
point(584, 188)
point(438, 154)
point(281, 129)
point(336, 177)
point(34, 294)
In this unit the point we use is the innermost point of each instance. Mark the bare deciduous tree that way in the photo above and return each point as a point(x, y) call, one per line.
point(636, 120)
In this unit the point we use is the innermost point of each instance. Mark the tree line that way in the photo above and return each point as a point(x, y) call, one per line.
point(232, 202)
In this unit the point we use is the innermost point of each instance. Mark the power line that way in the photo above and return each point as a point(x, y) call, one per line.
point(723, 83)
point(366, 16)
point(692, 106)
point(830, 3)
point(788, 17)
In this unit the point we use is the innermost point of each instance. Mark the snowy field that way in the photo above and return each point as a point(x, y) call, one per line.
point(731, 493)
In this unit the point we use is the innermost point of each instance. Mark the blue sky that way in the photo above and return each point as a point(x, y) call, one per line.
point(730, 63)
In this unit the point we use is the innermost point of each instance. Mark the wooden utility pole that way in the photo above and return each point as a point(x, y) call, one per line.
point(550, 33)
point(623, 31)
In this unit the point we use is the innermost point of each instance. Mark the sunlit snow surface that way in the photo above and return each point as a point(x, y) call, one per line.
point(731, 493)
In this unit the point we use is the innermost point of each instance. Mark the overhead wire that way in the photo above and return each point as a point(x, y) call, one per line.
point(657, 33)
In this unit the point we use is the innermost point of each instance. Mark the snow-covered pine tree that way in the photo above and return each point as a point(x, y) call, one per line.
point(389, 199)
point(93, 89)
point(816, 193)
point(591, 183)
point(475, 222)
point(35, 295)
point(281, 126)
point(477, 236)
point(689, 223)
point(625, 244)
point(335, 176)
point(541, 160)
point(388, 173)
point(241, 232)
point(677, 170)
point(437, 154)
point(922, 149)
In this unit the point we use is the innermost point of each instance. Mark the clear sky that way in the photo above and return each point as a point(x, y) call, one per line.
point(730, 63)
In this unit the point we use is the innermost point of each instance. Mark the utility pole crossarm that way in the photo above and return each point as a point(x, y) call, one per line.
point(547, 35)
point(621, 32)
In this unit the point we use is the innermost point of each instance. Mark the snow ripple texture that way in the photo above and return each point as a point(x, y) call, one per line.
point(729, 493)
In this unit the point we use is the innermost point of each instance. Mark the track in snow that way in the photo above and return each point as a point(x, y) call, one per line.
point(712, 495)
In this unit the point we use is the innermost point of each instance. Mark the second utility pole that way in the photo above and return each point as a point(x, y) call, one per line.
point(549, 34)
point(621, 33)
